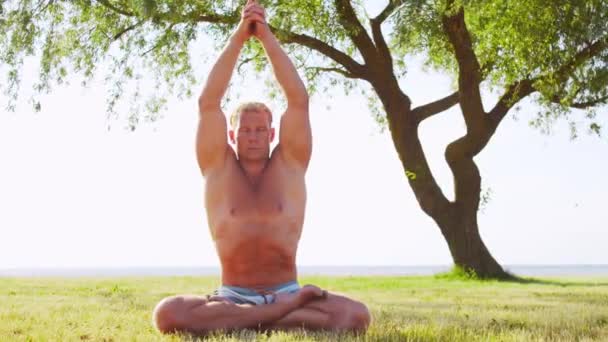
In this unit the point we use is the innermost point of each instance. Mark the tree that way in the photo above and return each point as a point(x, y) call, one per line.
point(553, 52)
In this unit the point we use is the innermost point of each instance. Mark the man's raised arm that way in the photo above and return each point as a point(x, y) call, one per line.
point(295, 138)
point(211, 143)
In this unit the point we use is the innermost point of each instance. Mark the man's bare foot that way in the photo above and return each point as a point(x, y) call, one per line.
point(306, 294)
point(311, 292)
point(216, 298)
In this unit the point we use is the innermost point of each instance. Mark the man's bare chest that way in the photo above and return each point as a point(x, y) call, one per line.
point(263, 203)
point(277, 197)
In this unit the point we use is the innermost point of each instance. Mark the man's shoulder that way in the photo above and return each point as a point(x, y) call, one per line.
point(222, 168)
point(284, 162)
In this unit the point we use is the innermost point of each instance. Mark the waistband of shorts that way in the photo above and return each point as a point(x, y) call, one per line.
point(248, 291)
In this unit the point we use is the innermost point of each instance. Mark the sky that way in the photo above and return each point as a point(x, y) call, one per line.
point(75, 194)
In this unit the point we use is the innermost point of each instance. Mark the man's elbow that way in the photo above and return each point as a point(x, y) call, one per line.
point(207, 104)
point(299, 100)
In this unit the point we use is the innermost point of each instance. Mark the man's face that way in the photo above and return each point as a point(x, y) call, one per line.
point(253, 135)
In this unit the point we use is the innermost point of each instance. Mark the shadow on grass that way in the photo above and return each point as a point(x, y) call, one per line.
point(536, 281)
point(459, 273)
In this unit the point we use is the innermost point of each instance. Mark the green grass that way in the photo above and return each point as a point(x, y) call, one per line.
point(442, 308)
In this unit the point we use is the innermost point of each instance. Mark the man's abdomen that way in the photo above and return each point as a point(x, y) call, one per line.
point(257, 262)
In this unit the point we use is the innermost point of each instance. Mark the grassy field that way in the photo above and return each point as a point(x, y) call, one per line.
point(403, 308)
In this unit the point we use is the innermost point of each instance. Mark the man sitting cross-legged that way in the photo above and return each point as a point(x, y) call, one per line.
point(255, 201)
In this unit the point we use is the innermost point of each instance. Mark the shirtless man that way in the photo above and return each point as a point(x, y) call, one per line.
point(255, 202)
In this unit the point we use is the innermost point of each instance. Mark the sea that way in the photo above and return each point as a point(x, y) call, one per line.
point(596, 270)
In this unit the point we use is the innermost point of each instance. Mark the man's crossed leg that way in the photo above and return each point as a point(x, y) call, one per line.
point(309, 308)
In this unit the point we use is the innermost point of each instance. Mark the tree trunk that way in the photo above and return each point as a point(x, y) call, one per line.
point(459, 225)
point(457, 220)
point(461, 232)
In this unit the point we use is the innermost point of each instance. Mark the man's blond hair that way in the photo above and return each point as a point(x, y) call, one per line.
point(249, 107)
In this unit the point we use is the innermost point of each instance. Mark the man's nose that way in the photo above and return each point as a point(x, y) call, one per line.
point(252, 136)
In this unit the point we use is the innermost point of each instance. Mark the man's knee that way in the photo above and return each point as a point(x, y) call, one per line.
point(168, 313)
point(357, 317)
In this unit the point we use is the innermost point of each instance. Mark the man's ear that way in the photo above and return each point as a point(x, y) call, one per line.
point(231, 136)
point(272, 132)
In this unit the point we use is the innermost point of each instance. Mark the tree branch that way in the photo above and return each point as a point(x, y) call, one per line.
point(124, 12)
point(388, 10)
point(469, 75)
point(357, 33)
point(423, 112)
point(170, 17)
point(243, 62)
point(581, 57)
point(514, 93)
point(354, 68)
point(126, 29)
point(582, 105)
point(382, 47)
point(39, 9)
point(336, 70)
point(592, 103)
point(247, 60)
point(214, 18)
point(518, 90)
point(158, 42)
point(376, 25)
